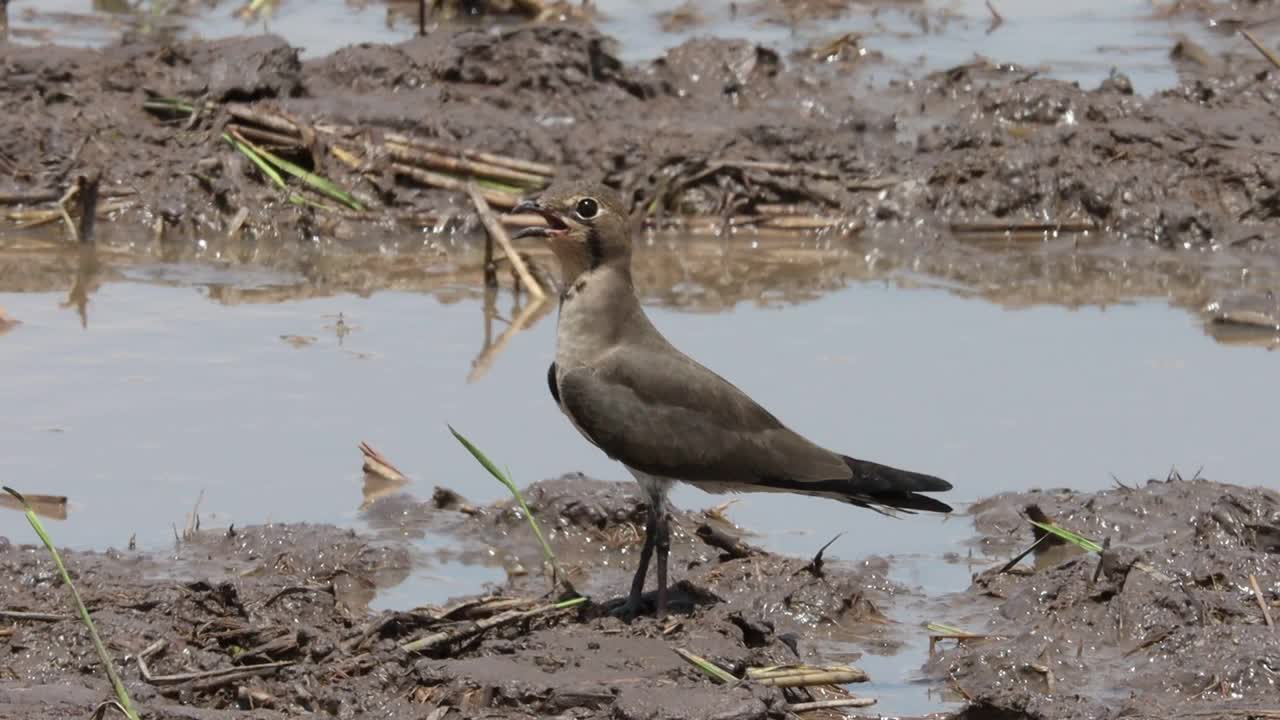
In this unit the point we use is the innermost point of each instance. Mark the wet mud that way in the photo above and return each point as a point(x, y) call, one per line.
point(1174, 619)
point(228, 600)
point(1023, 189)
point(275, 619)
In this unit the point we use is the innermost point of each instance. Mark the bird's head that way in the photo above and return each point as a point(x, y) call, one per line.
point(587, 227)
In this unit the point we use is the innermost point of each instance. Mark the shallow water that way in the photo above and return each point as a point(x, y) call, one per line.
point(1080, 41)
point(167, 394)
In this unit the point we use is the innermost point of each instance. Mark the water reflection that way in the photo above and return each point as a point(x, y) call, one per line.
point(524, 314)
point(196, 348)
point(1236, 296)
point(86, 282)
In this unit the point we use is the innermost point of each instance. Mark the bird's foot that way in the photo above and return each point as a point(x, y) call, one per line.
point(629, 609)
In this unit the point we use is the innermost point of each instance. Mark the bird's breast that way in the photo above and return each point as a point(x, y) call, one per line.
point(584, 332)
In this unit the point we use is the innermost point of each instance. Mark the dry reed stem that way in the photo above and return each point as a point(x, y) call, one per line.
point(460, 166)
point(37, 616)
point(497, 198)
point(265, 119)
point(375, 463)
point(264, 136)
point(806, 675)
point(1262, 603)
point(1068, 226)
point(34, 197)
point(525, 166)
point(205, 679)
point(499, 233)
point(1267, 52)
point(470, 628)
point(829, 704)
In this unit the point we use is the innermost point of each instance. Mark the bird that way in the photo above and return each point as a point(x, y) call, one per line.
point(659, 412)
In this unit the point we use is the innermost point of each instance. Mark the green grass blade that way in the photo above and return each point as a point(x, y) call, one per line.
point(321, 184)
point(712, 670)
point(174, 105)
point(250, 152)
point(949, 630)
point(515, 492)
point(1071, 537)
point(497, 185)
point(122, 695)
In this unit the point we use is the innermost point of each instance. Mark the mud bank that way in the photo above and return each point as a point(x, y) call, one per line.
point(1170, 628)
point(1025, 189)
point(297, 595)
point(1174, 620)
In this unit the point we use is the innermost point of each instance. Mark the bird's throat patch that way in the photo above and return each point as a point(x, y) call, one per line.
point(594, 248)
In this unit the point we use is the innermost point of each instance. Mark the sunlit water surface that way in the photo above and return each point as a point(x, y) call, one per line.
point(1080, 41)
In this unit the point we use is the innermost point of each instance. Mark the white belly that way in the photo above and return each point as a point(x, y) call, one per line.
point(654, 486)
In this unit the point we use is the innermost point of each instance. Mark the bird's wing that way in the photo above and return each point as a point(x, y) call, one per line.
point(666, 415)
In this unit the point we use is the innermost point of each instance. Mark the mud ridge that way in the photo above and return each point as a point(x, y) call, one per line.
point(1164, 193)
point(1165, 624)
point(299, 594)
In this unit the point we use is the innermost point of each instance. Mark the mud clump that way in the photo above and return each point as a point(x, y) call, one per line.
point(296, 596)
point(1165, 624)
point(275, 619)
point(1159, 195)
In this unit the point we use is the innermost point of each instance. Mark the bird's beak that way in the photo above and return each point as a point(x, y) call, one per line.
point(554, 225)
point(527, 206)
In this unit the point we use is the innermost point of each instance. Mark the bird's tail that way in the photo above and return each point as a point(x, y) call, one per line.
point(874, 484)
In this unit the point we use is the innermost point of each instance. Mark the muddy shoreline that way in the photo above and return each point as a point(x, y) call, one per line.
point(1019, 188)
point(1166, 625)
point(986, 179)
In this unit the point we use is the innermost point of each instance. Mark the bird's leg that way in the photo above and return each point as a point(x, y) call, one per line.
point(663, 544)
point(632, 606)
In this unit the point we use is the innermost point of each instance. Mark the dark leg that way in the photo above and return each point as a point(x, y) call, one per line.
point(633, 604)
point(663, 544)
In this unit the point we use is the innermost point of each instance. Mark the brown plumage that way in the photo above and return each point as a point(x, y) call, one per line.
point(659, 412)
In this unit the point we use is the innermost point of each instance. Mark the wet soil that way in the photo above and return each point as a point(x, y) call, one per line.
point(1026, 189)
point(1167, 623)
point(1170, 627)
point(234, 598)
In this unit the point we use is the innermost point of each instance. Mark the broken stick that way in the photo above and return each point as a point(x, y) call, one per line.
point(499, 234)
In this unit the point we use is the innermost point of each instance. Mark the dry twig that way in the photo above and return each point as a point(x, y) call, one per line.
point(733, 548)
point(1262, 603)
point(806, 675)
point(39, 616)
point(831, 704)
point(498, 198)
point(205, 679)
point(468, 629)
point(375, 463)
point(499, 233)
point(1267, 52)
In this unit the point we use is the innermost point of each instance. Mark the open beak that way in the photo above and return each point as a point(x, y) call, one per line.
point(555, 225)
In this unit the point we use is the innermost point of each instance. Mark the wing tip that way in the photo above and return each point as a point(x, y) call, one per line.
point(897, 488)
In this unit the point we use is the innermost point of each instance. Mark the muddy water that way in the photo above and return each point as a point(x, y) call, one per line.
point(1079, 41)
point(167, 392)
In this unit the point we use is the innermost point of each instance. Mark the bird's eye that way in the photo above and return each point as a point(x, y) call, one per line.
point(587, 208)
